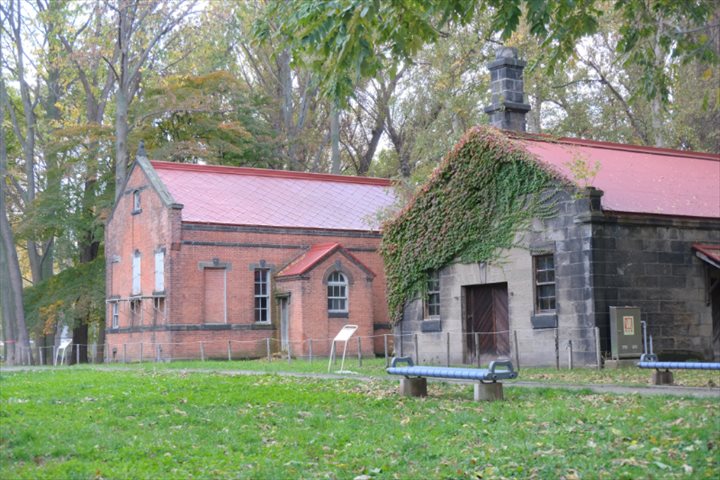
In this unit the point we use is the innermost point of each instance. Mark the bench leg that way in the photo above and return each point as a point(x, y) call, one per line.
point(489, 392)
point(662, 378)
point(413, 387)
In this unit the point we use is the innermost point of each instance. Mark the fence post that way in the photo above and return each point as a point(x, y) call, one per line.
point(417, 354)
point(202, 351)
point(310, 349)
point(385, 342)
point(447, 349)
point(124, 352)
point(41, 355)
point(570, 355)
point(77, 354)
point(517, 352)
point(54, 353)
point(267, 348)
point(477, 348)
point(557, 349)
point(141, 352)
point(229, 351)
point(289, 350)
point(598, 356)
point(158, 351)
point(359, 346)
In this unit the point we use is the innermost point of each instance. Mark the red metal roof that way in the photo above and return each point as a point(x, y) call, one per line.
point(316, 254)
point(637, 179)
point(308, 259)
point(709, 253)
point(252, 196)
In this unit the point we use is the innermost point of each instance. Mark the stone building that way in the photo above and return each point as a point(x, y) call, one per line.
point(631, 226)
point(202, 259)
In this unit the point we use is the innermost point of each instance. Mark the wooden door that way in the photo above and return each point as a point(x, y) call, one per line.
point(283, 304)
point(486, 322)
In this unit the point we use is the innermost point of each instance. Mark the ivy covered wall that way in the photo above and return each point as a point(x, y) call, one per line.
point(484, 191)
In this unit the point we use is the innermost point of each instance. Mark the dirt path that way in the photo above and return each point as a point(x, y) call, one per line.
point(674, 390)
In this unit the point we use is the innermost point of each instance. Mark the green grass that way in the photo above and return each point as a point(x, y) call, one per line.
point(86, 424)
point(376, 367)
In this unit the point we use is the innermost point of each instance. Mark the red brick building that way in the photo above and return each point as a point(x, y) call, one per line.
point(205, 259)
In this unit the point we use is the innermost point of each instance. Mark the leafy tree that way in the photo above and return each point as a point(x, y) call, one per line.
point(345, 41)
point(209, 117)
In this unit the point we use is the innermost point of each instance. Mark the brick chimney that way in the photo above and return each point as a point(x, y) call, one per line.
point(508, 108)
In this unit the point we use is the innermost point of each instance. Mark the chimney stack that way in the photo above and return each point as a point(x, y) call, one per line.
point(508, 108)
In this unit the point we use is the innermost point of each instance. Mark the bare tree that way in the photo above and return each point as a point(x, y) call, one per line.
point(141, 26)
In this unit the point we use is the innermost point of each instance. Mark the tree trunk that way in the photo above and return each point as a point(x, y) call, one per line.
point(121, 133)
point(7, 304)
point(16, 336)
point(286, 106)
point(335, 138)
point(80, 343)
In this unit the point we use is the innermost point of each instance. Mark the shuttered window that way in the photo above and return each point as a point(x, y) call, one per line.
point(136, 273)
point(160, 271)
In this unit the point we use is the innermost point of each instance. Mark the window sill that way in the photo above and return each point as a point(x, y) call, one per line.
point(136, 212)
point(338, 315)
point(262, 326)
point(544, 320)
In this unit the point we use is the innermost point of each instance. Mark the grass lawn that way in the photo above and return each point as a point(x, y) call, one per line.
point(376, 367)
point(85, 424)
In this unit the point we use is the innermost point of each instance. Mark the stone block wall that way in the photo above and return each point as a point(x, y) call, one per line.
point(561, 235)
point(648, 262)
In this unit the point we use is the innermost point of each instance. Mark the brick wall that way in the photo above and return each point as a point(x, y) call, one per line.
point(194, 252)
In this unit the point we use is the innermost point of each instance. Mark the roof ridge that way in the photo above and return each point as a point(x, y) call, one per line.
point(545, 138)
point(266, 172)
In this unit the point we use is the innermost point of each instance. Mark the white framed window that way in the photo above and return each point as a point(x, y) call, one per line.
point(544, 283)
point(136, 273)
point(337, 293)
point(137, 207)
point(432, 297)
point(115, 322)
point(262, 295)
point(160, 271)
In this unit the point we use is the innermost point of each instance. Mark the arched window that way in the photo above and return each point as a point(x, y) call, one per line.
point(337, 293)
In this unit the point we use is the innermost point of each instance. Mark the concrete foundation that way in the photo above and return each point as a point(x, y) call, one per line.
point(413, 387)
point(488, 392)
point(662, 378)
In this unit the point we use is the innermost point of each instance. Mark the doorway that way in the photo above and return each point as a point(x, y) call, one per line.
point(284, 309)
point(486, 324)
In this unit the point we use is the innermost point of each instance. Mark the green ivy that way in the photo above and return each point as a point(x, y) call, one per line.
point(486, 190)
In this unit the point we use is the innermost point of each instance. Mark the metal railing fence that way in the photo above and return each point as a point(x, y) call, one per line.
point(561, 348)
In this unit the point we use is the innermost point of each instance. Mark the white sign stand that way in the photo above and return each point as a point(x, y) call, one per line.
point(343, 336)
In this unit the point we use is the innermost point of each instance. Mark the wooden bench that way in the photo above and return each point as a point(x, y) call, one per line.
point(662, 374)
point(487, 387)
